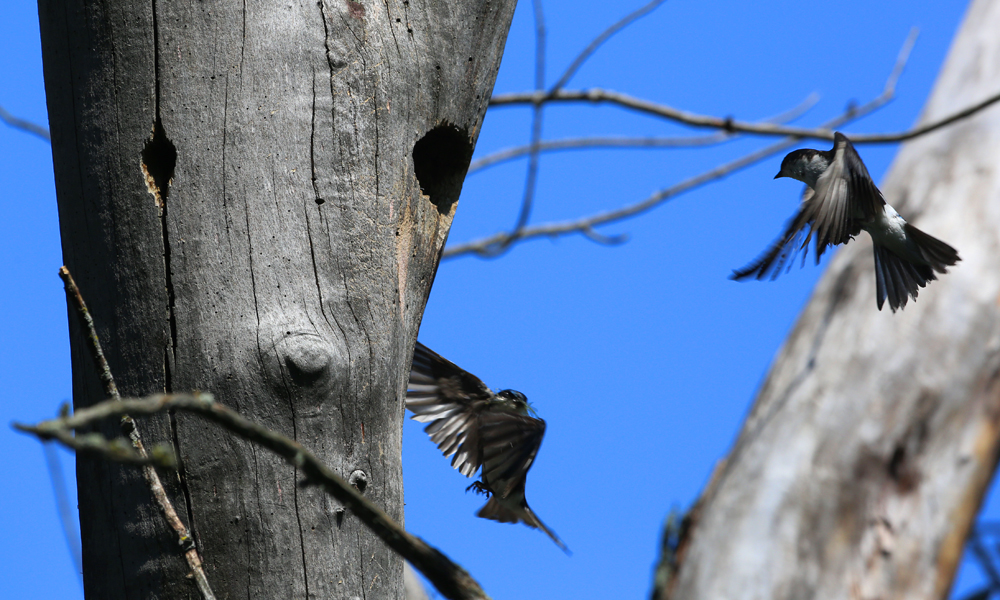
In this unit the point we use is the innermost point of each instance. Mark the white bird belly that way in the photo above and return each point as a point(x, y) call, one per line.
point(887, 230)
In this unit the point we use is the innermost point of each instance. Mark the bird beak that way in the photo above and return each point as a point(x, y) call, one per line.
point(778, 175)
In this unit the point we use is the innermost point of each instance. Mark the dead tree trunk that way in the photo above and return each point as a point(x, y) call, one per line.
point(864, 460)
point(253, 198)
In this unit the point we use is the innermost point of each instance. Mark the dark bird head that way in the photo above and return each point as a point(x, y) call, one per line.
point(517, 401)
point(793, 162)
point(806, 165)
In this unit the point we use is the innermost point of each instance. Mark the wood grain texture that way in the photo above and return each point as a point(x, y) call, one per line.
point(864, 460)
point(284, 267)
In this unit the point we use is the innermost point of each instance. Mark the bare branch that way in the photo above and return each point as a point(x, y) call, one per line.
point(886, 138)
point(606, 240)
point(449, 578)
point(592, 47)
point(536, 119)
point(24, 125)
point(130, 429)
point(66, 517)
point(116, 450)
point(632, 142)
point(598, 96)
point(87, 322)
point(585, 225)
point(584, 143)
point(730, 125)
point(531, 177)
point(902, 58)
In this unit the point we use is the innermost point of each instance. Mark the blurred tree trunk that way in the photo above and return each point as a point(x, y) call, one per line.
point(253, 198)
point(867, 453)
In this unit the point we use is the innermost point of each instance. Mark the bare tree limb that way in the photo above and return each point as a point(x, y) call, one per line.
point(597, 96)
point(585, 225)
point(116, 450)
point(536, 119)
point(583, 143)
point(531, 178)
point(130, 429)
point(24, 125)
point(886, 138)
point(87, 322)
point(597, 42)
point(728, 124)
point(66, 517)
point(534, 147)
point(449, 578)
point(631, 142)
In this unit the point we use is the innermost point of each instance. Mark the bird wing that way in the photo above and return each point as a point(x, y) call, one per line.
point(784, 250)
point(845, 196)
point(509, 442)
point(829, 211)
point(866, 198)
point(450, 399)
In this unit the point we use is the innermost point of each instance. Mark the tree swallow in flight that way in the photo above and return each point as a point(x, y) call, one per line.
point(840, 201)
point(497, 432)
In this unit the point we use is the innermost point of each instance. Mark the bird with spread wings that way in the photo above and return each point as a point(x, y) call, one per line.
point(496, 432)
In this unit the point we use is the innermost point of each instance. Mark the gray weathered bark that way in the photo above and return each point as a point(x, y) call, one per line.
point(865, 458)
point(253, 199)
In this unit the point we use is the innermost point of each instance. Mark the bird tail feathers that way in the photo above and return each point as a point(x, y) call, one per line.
point(898, 279)
point(938, 254)
point(498, 512)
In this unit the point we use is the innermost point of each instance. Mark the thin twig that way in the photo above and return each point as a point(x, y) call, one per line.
point(592, 47)
point(632, 142)
point(24, 125)
point(596, 95)
point(449, 578)
point(585, 143)
point(886, 138)
point(66, 517)
point(534, 147)
point(536, 119)
point(585, 225)
point(129, 427)
point(531, 178)
point(730, 125)
point(87, 322)
point(902, 57)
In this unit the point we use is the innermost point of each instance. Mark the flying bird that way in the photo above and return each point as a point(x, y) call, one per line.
point(495, 431)
point(842, 200)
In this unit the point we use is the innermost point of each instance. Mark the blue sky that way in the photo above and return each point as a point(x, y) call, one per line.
point(643, 358)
